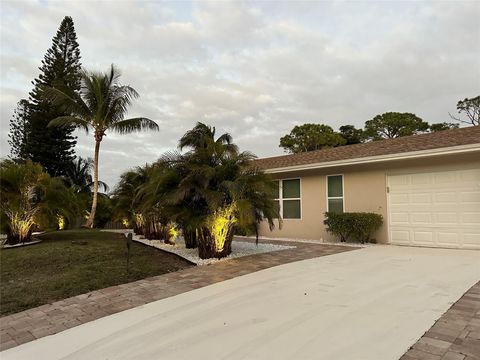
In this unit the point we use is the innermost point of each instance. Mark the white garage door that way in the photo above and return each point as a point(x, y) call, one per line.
point(440, 209)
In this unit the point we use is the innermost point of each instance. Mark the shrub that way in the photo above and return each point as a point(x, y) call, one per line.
point(354, 226)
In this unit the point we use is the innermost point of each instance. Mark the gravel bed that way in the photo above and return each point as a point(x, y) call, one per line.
point(239, 249)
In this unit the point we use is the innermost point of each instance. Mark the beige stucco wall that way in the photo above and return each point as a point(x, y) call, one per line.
point(364, 191)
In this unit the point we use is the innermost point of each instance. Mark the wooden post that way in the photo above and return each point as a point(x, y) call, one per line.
point(128, 242)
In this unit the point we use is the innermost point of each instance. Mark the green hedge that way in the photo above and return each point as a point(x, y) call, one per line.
point(353, 226)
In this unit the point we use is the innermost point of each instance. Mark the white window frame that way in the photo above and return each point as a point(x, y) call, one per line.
point(335, 197)
point(280, 198)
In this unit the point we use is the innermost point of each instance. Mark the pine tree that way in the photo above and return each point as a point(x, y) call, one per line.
point(53, 147)
point(18, 133)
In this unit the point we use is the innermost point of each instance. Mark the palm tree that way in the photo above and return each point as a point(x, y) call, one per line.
point(100, 105)
point(124, 196)
point(135, 204)
point(159, 196)
point(78, 175)
point(31, 197)
point(213, 189)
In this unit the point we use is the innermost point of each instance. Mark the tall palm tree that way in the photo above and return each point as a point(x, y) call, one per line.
point(100, 105)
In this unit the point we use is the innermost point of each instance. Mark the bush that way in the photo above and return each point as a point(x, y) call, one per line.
point(354, 226)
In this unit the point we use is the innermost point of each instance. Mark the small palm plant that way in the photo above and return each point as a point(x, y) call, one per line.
point(101, 105)
point(125, 193)
point(31, 197)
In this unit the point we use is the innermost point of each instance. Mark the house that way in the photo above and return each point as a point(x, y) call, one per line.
point(426, 187)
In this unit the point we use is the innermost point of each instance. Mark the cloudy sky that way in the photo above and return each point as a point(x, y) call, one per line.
point(254, 69)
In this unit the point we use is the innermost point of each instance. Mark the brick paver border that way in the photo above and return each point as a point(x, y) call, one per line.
point(52, 318)
point(455, 336)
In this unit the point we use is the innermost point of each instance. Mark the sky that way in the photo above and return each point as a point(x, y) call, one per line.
point(253, 69)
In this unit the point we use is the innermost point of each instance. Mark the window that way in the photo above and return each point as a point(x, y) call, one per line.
point(335, 193)
point(288, 198)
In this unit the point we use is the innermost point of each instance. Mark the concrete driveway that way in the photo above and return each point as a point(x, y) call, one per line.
point(371, 303)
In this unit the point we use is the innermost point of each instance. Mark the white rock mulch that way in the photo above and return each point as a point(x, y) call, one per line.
point(239, 249)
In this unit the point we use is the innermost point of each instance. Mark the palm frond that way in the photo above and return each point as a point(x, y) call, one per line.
point(73, 104)
point(134, 124)
point(67, 121)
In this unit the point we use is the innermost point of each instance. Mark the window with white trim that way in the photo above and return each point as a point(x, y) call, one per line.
point(335, 193)
point(289, 199)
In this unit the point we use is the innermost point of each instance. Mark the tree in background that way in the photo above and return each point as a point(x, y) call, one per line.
point(18, 132)
point(394, 124)
point(442, 126)
point(351, 134)
point(101, 105)
point(310, 137)
point(471, 109)
point(78, 175)
point(50, 147)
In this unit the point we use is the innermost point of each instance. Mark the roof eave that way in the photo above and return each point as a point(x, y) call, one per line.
point(451, 150)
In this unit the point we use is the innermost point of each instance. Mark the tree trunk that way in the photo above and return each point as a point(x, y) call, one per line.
point(91, 218)
point(190, 238)
point(206, 245)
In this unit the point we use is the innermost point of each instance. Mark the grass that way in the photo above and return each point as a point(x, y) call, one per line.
point(58, 267)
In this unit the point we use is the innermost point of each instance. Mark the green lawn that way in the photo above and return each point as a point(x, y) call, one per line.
point(56, 268)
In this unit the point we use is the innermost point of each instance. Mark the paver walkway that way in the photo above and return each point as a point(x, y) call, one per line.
point(455, 336)
point(52, 318)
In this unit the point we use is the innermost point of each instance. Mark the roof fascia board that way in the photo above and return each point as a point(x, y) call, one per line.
point(380, 158)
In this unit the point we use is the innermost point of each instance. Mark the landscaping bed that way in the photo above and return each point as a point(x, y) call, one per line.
point(69, 263)
point(239, 249)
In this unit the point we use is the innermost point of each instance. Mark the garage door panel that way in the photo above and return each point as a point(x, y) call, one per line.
point(399, 218)
point(445, 197)
point(450, 239)
point(435, 209)
point(421, 218)
point(422, 198)
point(421, 179)
point(423, 237)
point(470, 197)
point(471, 218)
point(400, 199)
point(469, 175)
point(471, 238)
point(401, 236)
point(399, 180)
point(444, 178)
point(447, 218)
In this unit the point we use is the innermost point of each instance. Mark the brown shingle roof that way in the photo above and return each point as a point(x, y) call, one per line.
point(440, 139)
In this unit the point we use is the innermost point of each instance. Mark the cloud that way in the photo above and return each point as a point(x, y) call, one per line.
point(254, 69)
